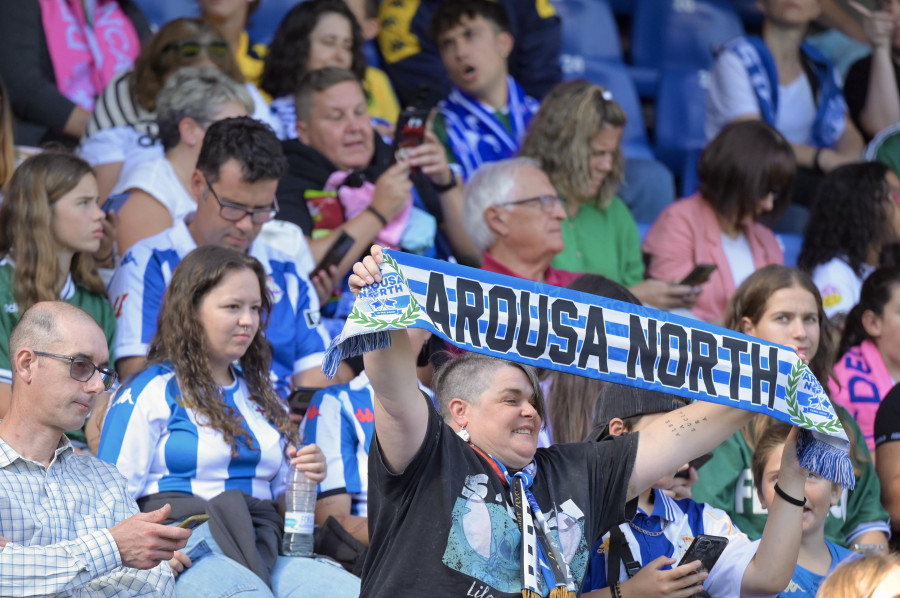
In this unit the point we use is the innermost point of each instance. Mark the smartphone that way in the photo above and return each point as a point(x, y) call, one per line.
point(299, 399)
point(410, 130)
point(115, 202)
point(193, 521)
point(335, 253)
point(698, 275)
point(706, 549)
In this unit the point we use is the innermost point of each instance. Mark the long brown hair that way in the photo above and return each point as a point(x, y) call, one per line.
point(26, 233)
point(7, 149)
point(181, 340)
point(750, 300)
point(560, 135)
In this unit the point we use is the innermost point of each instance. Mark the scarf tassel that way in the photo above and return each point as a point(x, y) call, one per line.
point(819, 453)
point(339, 350)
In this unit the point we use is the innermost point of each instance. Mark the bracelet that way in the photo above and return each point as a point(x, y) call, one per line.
point(616, 590)
point(448, 186)
point(816, 160)
point(788, 498)
point(378, 215)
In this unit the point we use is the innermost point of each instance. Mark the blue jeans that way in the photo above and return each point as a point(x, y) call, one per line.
point(214, 575)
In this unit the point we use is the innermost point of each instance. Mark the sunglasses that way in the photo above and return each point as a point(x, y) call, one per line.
point(191, 48)
point(234, 212)
point(82, 369)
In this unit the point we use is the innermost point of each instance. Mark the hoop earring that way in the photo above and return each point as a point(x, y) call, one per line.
point(464, 434)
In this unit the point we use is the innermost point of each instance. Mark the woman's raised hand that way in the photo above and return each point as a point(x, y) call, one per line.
point(366, 272)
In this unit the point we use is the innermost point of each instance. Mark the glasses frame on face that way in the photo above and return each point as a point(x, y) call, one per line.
point(107, 376)
point(257, 215)
point(547, 202)
point(189, 49)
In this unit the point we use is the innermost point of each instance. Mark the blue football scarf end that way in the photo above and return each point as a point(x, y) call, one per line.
point(343, 348)
point(827, 456)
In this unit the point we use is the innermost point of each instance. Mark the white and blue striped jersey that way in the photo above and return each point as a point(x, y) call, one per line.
point(159, 446)
point(341, 422)
point(295, 330)
point(671, 528)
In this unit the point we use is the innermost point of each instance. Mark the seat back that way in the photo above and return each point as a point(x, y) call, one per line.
point(266, 19)
point(160, 12)
point(679, 124)
point(589, 29)
point(681, 33)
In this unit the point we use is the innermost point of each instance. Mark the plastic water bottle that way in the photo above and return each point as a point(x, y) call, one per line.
point(299, 518)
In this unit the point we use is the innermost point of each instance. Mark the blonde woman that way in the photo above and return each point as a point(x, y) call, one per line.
point(576, 137)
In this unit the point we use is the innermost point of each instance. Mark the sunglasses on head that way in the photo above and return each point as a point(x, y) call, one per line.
point(191, 48)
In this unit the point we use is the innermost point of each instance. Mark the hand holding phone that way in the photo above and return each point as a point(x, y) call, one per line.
point(335, 253)
point(706, 549)
point(410, 132)
point(193, 521)
point(698, 275)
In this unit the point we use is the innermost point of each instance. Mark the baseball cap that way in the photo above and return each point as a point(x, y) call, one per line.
point(618, 400)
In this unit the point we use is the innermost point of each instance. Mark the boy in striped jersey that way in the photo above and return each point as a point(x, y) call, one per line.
point(638, 557)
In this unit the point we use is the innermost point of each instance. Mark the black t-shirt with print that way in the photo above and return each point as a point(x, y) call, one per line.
point(444, 527)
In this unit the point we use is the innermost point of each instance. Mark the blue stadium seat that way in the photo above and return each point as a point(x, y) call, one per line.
point(160, 12)
point(614, 76)
point(622, 7)
point(680, 115)
point(265, 21)
point(589, 29)
point(678, 34)
point(791, 244)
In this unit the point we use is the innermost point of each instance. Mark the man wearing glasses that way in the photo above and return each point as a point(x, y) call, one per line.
point(67, 523)
point(234, 185)
point(513, 215)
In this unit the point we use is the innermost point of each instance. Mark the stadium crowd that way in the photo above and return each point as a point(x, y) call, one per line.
point(193, 193)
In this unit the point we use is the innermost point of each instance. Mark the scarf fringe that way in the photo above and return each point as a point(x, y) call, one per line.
point(824, 455)
point(341, 349)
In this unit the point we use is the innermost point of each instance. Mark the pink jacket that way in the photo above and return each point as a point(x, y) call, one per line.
point(860, 382)
point(686, 234)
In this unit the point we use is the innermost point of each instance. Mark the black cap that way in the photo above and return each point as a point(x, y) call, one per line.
point(617, 400)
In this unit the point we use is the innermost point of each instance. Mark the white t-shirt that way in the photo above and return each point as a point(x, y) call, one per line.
point(731, 95)
point(739, 256)
point(157, 178)
point(839, 285)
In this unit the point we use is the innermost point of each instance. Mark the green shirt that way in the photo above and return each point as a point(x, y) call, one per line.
point(603, 242)
point(97, 306)
point(727, 483)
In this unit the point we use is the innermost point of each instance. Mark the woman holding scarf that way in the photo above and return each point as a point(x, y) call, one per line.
point(448, 489)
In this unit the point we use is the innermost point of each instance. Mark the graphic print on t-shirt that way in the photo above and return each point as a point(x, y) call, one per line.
point(485, 541)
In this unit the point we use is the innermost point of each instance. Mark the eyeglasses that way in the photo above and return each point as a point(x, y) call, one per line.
point(191, 48)
point(82, 369)
point(548, 202)
point(234, 212)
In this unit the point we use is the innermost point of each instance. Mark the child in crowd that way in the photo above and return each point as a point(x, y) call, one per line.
point(638, 558)
point(485, 117)
point(818, 556)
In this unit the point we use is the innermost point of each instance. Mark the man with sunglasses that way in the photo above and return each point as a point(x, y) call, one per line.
point(67, 523)
point(234, 185)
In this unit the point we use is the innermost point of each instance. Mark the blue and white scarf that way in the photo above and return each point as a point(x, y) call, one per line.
point(474, 133)
point(587, 335)
point(831, 107)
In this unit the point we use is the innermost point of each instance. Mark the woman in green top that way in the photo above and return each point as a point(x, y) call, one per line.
point(50, 227)
point(782, 305)
point(576, 137)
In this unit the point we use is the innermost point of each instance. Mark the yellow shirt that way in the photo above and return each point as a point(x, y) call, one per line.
point(251, 60)
point(382, 101)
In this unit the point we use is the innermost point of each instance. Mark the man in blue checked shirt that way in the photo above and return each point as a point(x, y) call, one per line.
point(67, 524)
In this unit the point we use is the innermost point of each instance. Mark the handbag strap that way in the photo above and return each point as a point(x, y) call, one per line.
point(619, 552)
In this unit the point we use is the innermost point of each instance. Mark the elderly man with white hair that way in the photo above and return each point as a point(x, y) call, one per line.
point(513, 216)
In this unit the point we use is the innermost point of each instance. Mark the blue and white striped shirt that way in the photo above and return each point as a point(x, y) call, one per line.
point(298, 338)
point(159, 445)
point(341, 422)
point(57, 521)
